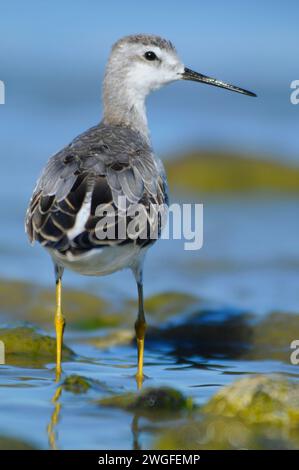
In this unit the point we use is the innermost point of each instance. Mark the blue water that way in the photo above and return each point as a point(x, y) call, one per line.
point(52, 59)
point(53, 56)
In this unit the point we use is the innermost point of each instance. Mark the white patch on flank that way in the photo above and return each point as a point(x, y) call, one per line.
point(81, 218)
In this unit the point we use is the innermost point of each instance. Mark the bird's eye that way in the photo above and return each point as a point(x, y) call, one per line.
point(150, 55)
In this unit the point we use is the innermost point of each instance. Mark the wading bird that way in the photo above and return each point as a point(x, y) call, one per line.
point(112, 160)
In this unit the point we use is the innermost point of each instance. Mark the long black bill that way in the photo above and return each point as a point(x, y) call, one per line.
point(199, 77)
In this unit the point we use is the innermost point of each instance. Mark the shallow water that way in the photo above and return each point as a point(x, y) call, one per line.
point(27, 409)
point(249, 265)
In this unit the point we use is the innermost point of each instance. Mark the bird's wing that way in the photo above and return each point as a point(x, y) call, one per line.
point(97, 169)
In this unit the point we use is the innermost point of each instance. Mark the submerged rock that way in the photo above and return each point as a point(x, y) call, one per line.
point(152, 399)
point(77, 384)
point(258, 412)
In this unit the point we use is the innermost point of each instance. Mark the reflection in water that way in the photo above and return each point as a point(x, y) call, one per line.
point(52, 436)
point(135, 432)
point(56, 416)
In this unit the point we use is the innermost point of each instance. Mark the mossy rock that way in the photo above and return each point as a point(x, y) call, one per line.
point(163, 399)
point(227, 173)
point(14, 295)
point(9, 443)
point(168, 304)
point(206, 332)
point(82, 310)
point(164, 305)
point(77, 384)
point(217, 433)
point(208, 435)
point(258, 400)
point(256, 412)
point(272, 335)
point(27, 342)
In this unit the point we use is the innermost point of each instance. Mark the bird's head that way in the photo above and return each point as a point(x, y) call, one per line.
point(143, 63)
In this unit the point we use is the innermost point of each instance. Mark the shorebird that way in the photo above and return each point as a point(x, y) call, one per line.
point(110, 161)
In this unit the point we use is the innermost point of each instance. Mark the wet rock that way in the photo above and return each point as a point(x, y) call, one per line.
point(169, 304)
point(228, 333)
point(77, 384)
point(220, 172)
point(152, 399)
point(82, 310)
point(208, 435)
point(261, 399)
point(207, 332)
point(165, 305)
point(25, 342)
point(272, 336)
point(258, 412)
point(9, 443)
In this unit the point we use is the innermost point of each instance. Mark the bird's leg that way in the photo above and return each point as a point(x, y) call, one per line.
point(140, 328)
point(59, 322)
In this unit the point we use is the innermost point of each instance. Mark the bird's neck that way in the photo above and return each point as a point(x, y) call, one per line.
point(125, 106)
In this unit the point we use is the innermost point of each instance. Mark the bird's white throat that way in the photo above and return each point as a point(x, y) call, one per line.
point(124, 104)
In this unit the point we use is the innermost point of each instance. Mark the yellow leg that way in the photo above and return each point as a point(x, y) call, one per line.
point(140, 328)
point(59, 326)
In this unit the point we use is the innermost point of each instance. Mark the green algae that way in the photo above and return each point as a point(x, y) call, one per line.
point(224, 173)
point(25, 301)
point(152, 399)
point(77, 384)
point(258, 400)
point(159, 307)
point(256, 412)
point(168, 304)
point(272, 336)
point(26, 342)
point(9, 443)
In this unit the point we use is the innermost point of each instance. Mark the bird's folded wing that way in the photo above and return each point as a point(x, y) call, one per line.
point(103, 168)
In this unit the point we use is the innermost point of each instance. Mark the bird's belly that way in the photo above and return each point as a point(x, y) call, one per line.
point(100, 261)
